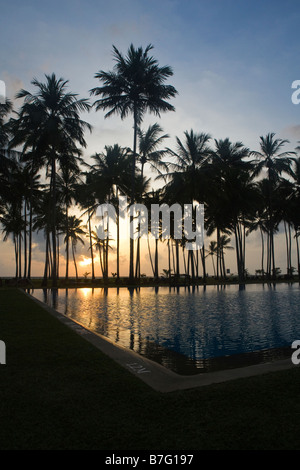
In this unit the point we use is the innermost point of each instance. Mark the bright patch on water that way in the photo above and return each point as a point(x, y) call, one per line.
point(188, 327)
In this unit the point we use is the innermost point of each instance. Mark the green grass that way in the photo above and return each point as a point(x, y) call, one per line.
point(59, 392)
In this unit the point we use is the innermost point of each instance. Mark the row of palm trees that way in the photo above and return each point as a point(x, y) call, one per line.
point(242, 190)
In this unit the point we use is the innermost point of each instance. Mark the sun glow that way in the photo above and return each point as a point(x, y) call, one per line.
point(85, 291)
point(85, 261)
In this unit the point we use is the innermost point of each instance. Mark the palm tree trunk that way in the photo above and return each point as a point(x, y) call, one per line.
point(91, 246)
point(67, 243)
point(203, 262)
point(218, 252)
point(57, 262)
point(53, 178)
point(16, 254)
point(196, 257)
point(244, 247)
point(173, 256)
point(223, 273)
point(273, 270)
point(44, 283)
point(156, 259)
point(75, 265)
point(25, 239)
point(150, 256)
point(131, 255)
point(118, 238)
point(118, 245)
point(239, 255)
point(30, 241)
point(106, 256)
point(137, 261)
point(262, 252)
point(177, 258)
point(213, 263)
point(169, 258)
point(184, 261)
point(50, 263)
point(290, 248)
point(100, 260)
point(268, 256)
point(20, 255)
point(191, 258)
point(287, 247)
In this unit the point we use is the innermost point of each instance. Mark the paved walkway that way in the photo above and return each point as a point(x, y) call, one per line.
point(155, 375)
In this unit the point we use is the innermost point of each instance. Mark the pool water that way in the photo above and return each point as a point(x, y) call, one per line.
point(189, 329)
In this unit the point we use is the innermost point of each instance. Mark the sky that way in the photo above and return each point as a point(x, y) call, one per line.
point(234, 62)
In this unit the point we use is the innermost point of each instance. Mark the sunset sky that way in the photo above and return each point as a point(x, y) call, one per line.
point(234, 62)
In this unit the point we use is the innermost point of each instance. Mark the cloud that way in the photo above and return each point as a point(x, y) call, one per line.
point(292, 131)
point(13, 85)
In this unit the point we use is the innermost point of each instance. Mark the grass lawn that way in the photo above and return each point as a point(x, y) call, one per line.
point(59, 392)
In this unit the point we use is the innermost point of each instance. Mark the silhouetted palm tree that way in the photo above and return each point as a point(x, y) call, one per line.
point(76, 229)
point(295, 206)
point(213, 251)
point(227, 207)
point(67, 181)
point(49, 124)
point(135, 86)
point(110, 175)
point(42, 221)
point(188, 178)
point(13, 224)
point(224, 245)
point(149, 144)
point(276, 163)
point(8, 159)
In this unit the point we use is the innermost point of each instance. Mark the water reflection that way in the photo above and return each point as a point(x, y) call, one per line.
point(191, 325)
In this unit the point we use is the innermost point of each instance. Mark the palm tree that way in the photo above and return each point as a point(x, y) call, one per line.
point(190, 158)
point(213, 251)
point(8, 159)
point(227, 209)
point(149, 152)
point(13, 224)
point(224, 245)
point(109, 179)
point(276, 163)
point(149, 143)
point(49, 123)
point(5, 109)
point(154, 197)
point(103, 247)
point(295, 205)
point(75, 230)
point(188, 177)
point(86, 198)
point(259, 221)
point(28, 183)
point(135, 86)
point(41, 221)
point(67, 182)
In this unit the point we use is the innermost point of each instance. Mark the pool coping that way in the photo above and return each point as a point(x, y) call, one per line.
point(154, 374)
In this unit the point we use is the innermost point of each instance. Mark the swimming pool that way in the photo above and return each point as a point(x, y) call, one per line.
point(189, 329)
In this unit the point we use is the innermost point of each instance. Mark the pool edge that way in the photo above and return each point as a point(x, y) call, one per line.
point(153, 374)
